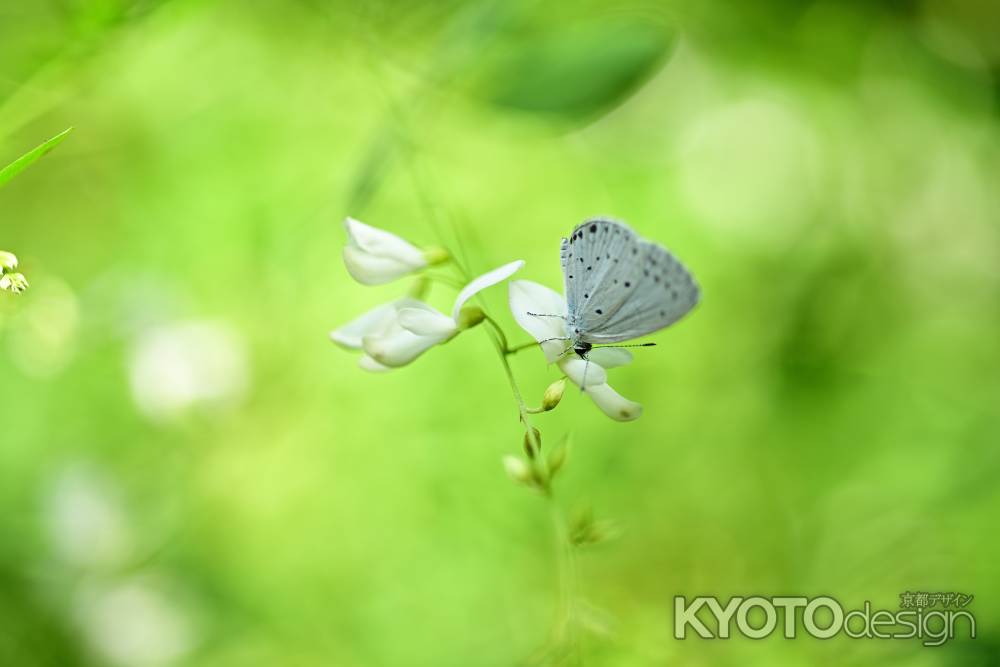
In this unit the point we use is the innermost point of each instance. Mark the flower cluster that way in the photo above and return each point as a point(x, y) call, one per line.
point(9, 280)
point(589, 374)
point(396, 333)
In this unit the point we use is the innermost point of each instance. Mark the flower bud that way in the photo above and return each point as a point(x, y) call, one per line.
point(518, 470)
point(469, 317)
point(8, 261)
point(557, 457)
point(434, 256)
point(585, 530)
point(532, 445)
point(553, 394)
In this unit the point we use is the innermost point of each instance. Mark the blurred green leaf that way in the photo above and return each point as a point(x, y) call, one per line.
point(26, 160)
point(580, 72)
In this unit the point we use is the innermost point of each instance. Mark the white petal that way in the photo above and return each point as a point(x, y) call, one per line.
point(426, 322)
point(369, 269)
point(610, 357)
point(397, 349)
point(350, 334)
point(372, 366)
point(614, 404)
point(576, 369)
point(381, 243)
point(482, 282)
point(530, 297)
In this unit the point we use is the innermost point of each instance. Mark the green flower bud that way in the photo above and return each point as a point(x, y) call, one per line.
point(557, 457)
point(553, 394)
point(469, 317)
point(585, 530)
point(435, 256)
point(8, 261)
point(529, 446)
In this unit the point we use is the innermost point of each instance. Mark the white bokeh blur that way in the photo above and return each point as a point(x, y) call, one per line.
point(85, 519)
point(179, 367)
point(134, 622)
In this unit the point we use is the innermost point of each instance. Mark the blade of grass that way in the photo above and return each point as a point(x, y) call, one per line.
point(23, 162)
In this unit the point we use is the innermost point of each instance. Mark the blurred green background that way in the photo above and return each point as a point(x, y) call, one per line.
point(191, 474)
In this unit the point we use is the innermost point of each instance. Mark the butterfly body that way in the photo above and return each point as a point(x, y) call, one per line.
point(620, 286)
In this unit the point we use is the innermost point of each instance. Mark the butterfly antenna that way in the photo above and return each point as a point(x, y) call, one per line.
point(545, 315)
point(631, 345)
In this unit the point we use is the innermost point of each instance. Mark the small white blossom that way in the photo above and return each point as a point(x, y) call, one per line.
point(380, 330)
point(396, 333)
point(530, 297)
point(9, 280)
point(377, 321)
point(374, 256)
point(8, 261)
point(13, 282)
point(417, 327)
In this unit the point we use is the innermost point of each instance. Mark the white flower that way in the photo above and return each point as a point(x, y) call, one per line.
point(13, 282)
point(530, 297)
point(379, 321)
point(396, 333)
point(8, 261)
point(374, 256)
point(419, 327)
point(10, 281)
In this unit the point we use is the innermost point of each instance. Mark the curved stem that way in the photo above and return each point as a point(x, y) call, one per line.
point(444, 280)
point(522, 346)
point(500, 333)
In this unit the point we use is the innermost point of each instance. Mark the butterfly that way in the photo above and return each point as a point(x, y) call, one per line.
point(620, 286)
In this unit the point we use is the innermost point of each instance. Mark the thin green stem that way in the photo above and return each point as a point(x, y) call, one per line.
point(523, 346)
point(500, 334)
point(563, 614)
point(444, 280)
point(564, 563)
point(563, 632)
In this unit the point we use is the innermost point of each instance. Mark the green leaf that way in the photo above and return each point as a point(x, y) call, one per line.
point(23, 162)
point(578, 72)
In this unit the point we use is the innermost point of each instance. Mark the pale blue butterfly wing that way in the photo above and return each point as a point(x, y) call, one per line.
point(619, 286)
